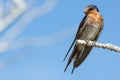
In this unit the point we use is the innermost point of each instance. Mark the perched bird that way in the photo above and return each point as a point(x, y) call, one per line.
point(89, 29)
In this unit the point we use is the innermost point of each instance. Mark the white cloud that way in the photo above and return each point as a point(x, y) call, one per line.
point(14, 12)
point(19, 26)
point(43, 40)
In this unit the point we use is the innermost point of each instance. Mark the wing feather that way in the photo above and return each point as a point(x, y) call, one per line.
point(87, 50)
point(81, 27)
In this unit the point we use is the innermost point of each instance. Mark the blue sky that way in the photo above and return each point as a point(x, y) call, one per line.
point(34, 44)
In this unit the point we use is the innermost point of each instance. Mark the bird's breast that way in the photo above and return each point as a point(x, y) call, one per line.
point(90, 32)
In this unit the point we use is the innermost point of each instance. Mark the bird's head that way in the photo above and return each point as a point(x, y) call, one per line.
point(91, 9)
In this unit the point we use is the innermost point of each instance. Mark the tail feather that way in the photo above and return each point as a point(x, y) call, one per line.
point(71, 57)
point(73, 67)
point(83, 56)
point(67, 65)
point(69, 50)
point(76, 52)
point(73, 70)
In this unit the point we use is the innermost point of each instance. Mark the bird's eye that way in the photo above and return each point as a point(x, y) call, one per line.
point(91, 9)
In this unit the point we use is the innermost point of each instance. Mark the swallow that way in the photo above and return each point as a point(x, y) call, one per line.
point(89, 29)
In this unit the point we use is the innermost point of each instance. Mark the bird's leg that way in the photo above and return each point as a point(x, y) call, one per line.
point(94, 43)
point(87, 41)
